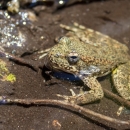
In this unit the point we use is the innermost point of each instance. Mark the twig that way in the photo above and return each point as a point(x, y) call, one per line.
point(72, 107)
point(20, 60)
point(123, 102)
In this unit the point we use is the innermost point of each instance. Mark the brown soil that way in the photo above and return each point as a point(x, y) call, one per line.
point(109, 17)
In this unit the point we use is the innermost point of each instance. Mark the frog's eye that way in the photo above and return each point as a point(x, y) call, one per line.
point(73, 58)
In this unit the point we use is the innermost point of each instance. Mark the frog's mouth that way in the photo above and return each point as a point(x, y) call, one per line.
point(70, 68)
point(50, 65)
point(47, 62)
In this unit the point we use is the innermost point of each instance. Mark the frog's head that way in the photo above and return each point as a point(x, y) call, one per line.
point(63, 56)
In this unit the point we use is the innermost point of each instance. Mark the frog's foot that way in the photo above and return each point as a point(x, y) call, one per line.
point(121, 80)
point(94, 94)
point(44, 53)
point(67, 98)
point(70, 99)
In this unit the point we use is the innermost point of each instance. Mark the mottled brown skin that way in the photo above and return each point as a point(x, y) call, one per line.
point(89, 54)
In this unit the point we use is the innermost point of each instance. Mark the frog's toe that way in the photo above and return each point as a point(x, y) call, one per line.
point(72, 92)
point(63, 96)
point(79, 26)
point(75, 28)
point(121, 80)
point(69, 99)
point(43, 53)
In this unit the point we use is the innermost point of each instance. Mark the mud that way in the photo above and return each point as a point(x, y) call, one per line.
point(109, 17)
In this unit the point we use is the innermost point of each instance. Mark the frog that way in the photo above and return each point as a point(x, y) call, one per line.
point(89, 54)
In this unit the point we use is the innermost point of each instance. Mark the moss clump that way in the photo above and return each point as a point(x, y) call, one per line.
point(11, 78)
point(5, 75)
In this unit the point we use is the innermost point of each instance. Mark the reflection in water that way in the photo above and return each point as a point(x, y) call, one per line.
point(10, 35)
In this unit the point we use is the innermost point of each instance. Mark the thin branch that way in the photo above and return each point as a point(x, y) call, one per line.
point(64, 104)
point(20, 60)
point(123, 101)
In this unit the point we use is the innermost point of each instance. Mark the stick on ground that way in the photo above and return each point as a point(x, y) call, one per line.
point(121, 100)
point(20, 60)
point(72, 107)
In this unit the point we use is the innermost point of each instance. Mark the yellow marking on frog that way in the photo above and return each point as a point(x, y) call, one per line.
point(114, 71)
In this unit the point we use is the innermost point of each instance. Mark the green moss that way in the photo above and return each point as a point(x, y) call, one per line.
point(5, 74)
point(11, 78)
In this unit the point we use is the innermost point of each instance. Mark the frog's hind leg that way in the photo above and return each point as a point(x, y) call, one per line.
point(87, 35)
point(121, 80)
point(75, 28)
point(84, 34)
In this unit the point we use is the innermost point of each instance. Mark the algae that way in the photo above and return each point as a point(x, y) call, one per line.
point(5, 74)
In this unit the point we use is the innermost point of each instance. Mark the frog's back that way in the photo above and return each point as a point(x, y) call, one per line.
point(103, 55)
point(103, 52)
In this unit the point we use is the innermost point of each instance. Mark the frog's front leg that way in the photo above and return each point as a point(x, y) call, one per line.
point(44, 53)
point(95, 92)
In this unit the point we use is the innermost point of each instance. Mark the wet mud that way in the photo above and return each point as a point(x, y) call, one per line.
point(109, 17)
